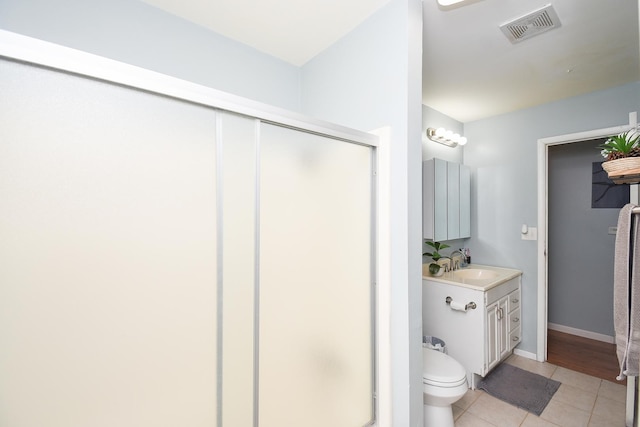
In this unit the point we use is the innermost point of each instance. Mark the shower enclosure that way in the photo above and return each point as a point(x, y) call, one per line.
point(171, 255)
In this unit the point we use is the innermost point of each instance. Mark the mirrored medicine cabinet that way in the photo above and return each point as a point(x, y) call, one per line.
point(446, 200)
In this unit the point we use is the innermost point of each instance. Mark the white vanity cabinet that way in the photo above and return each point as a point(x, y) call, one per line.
point(481, 337)
point(446, 200)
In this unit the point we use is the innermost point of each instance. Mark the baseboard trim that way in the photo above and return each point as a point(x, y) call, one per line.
point(582, 333)
point(526, 354)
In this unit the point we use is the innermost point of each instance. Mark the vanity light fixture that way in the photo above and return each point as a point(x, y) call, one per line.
point(448, 2)
point(446, 137)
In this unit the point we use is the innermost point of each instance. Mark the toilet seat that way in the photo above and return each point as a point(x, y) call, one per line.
point(441, 370)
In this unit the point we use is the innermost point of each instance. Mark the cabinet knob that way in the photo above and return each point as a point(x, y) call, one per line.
point(516, 320)
point(515, 338)
point(515, 300)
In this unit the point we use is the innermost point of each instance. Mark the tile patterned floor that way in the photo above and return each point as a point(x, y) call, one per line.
point(581, 401)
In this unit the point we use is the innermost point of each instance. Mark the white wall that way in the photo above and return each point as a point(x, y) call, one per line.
point(367, 80)
point(502, 155)
point(136, 33)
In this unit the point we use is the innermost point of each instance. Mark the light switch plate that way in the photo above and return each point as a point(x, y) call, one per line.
point(531, 234)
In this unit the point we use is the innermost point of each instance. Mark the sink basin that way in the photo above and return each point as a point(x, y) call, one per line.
point(475, 274)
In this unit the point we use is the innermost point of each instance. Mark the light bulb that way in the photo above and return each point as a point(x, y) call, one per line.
point(462, 140)
point(455, 137)
point(448, 135)
point(448, 2)
point(440, 132)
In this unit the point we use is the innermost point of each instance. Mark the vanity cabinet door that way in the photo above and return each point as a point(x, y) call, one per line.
point(492, 337)
point(497, 333)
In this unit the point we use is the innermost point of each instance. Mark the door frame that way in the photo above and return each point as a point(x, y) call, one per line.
point(543, 216)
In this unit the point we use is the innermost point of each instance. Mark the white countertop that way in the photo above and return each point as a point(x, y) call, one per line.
point(502, 275)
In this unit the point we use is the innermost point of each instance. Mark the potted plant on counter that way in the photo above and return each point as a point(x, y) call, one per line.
point(435, 269)
point(622, 154)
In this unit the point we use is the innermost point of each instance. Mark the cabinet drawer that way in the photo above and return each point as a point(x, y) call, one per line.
point(514, 320)
point(514, 338)
point(514, 300)
point(502, 290)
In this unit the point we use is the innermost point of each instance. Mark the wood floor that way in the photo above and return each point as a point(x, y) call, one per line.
point(584, 355)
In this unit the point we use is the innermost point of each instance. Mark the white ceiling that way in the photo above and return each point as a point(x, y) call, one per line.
point(292, 30)
point(470, 69)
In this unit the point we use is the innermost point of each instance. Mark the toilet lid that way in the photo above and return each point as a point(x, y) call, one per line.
point(438, 367)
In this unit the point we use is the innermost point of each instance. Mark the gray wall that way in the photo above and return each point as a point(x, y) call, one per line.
point(502, 154)
point(580, 249)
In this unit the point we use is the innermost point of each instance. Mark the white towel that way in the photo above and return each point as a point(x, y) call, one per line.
point(626, 292)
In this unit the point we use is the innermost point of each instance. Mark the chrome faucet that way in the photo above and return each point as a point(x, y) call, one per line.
point(455, 260)
point(445, 262)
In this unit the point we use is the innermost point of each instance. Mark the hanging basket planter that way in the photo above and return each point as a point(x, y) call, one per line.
point(618, 166)
point(624, 151)
point(623, 171)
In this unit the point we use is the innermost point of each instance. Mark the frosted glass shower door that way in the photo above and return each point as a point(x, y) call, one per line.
point(169, 258)
point(315, 281)
point(108, 255)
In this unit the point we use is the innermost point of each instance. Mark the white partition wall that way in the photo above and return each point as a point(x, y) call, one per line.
point(168, 260)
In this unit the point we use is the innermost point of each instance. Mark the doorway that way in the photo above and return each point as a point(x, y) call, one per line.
point(583, 207)
point(544, 146)
point(582, 215)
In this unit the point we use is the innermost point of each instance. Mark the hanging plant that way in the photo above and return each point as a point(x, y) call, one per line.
point(622, 154)
point(626, 144)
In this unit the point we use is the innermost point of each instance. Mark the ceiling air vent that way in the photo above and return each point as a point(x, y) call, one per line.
point(531, 24)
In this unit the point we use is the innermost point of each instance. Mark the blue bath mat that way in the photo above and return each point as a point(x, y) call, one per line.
point(524, 389)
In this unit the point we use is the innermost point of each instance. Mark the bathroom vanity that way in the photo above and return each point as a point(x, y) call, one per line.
point(476, 311)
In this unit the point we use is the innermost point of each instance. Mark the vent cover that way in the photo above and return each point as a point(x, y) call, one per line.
point(531, 24)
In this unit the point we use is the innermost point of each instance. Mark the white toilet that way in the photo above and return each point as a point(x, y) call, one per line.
point(444, 381)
